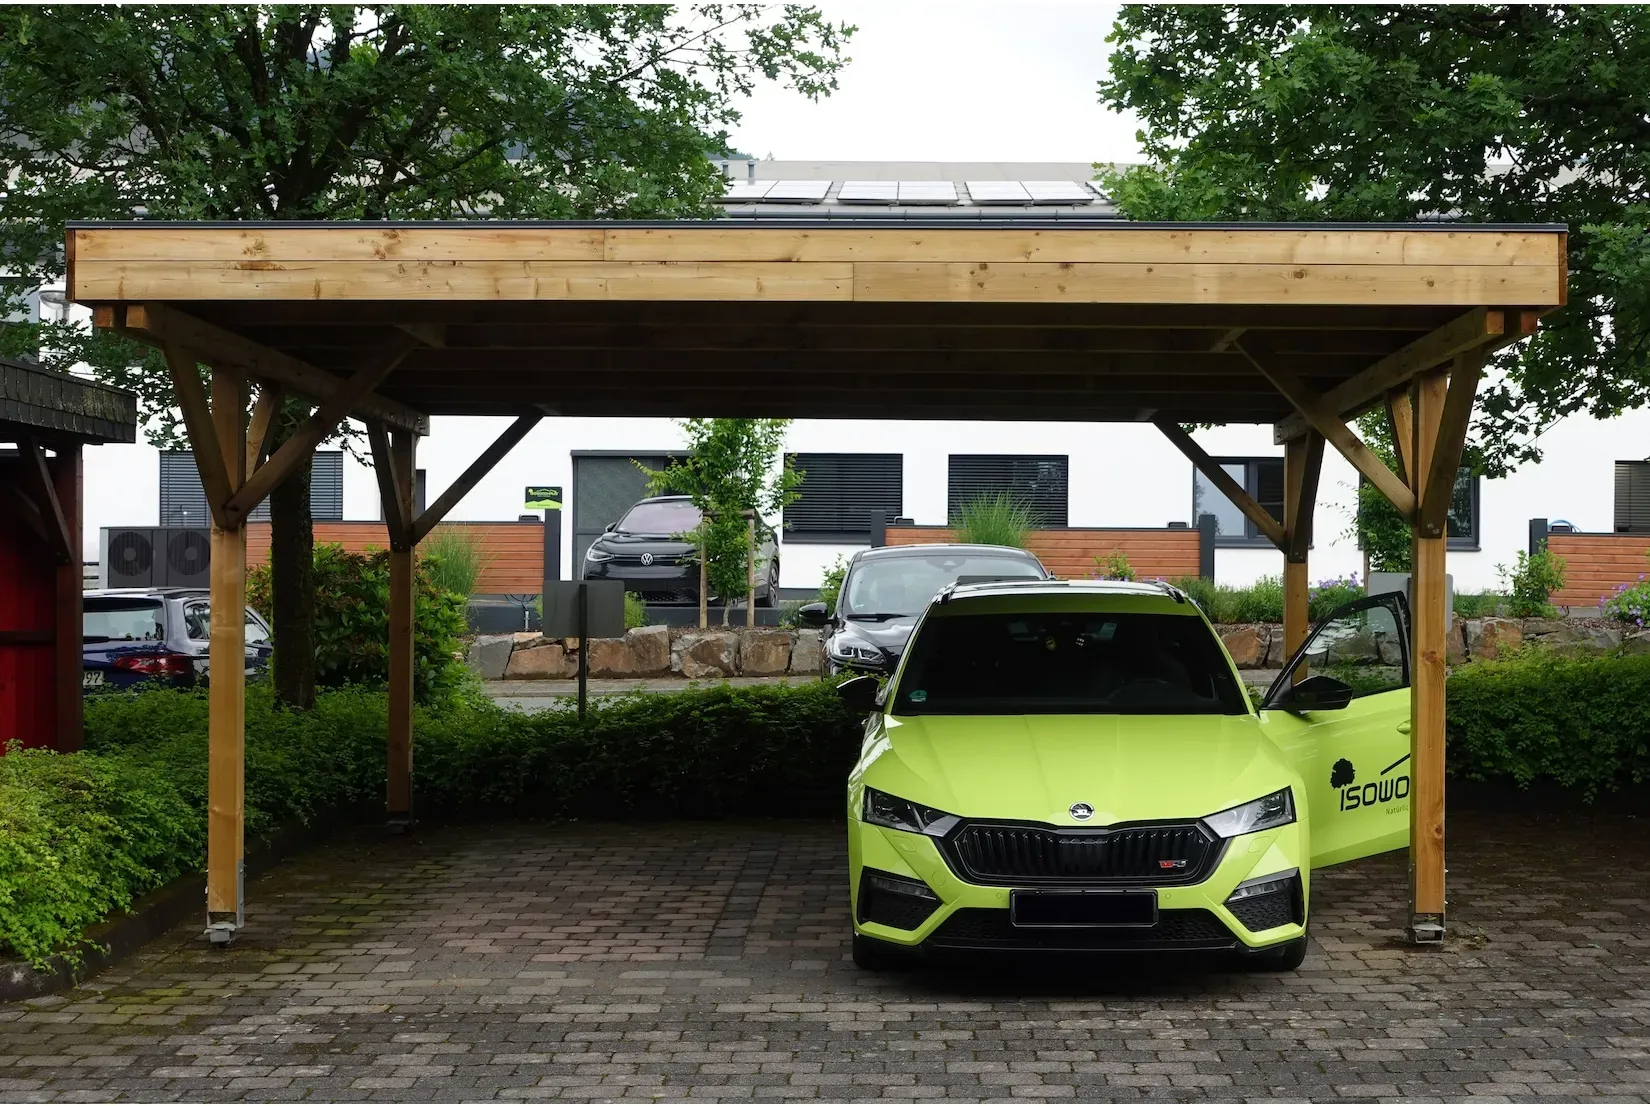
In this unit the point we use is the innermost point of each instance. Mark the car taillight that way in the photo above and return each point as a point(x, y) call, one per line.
point(167, 664)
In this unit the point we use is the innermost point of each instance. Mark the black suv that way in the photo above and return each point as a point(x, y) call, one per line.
point(644, 550)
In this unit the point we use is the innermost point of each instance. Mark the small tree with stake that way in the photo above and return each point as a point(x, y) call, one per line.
point(734, 466)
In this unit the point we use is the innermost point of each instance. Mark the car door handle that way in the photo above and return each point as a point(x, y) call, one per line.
point(1403, 727)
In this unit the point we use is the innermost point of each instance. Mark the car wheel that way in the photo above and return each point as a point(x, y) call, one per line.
point(770, 595)
point(872, 955)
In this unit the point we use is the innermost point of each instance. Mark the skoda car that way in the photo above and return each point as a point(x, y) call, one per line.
point(1063, 765)
point(886, 589)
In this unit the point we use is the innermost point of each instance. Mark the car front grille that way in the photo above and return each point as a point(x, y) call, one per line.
point(666, 597)
point(1159, 855)
point(989, 928)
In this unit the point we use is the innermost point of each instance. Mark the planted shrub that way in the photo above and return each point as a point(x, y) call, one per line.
point(352, 622)
point(1531, 583)
point(635, 611)
point(454, 558)
point(1482, 605)
point(1114, 566)
point(1326, 595)
point(1629, 603)
point(1260, 602)
point(995, 519)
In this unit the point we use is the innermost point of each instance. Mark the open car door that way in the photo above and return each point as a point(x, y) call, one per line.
point(1340, 710)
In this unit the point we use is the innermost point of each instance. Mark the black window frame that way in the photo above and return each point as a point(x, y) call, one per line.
point(1462, 543)
point(881, 473)
point(181, 489)
point(1252, 538)
point(1631, 483)
point(1053, 510)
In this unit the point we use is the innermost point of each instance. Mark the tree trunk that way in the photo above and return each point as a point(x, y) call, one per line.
point(292, 580)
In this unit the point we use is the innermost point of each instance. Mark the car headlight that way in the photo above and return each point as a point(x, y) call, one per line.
point(883, 809)
point(1268, 812)
point(843, 651)
point(597, 556)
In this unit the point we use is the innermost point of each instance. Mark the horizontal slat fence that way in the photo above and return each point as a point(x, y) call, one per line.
point(1070, 553)
point(512, 552)
point(1595, 564)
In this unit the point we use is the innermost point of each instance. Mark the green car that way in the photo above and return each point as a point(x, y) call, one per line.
point(1065, 766)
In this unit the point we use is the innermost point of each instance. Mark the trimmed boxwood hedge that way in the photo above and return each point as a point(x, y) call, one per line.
point(81, 835)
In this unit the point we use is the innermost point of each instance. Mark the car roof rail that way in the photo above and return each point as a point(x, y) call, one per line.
point(1179, 596)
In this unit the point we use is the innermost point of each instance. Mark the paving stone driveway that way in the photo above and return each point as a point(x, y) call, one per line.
point(690, 961)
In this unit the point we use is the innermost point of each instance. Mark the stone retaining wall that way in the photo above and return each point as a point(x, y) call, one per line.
point(651, 651)
point(1261, 645)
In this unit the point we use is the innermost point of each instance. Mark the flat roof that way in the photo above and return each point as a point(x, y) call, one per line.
point(50, 404)
point(867, 317)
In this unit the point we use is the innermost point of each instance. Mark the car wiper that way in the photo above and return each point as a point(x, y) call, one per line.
point(94, 639)
point(883, 616)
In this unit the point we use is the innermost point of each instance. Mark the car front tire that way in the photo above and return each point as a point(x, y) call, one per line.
point(770, 594)
point(872, 955)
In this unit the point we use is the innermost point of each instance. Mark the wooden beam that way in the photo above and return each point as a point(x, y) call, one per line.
point(1220, 478)
point(1224, 342)
point(388, 480)
point(203, 433)
point(161, 325)
point(1439, 489)
point(266, 419)
point(25, 510)
point(1339, 435)
point(65, 546)
point(226, 693)
point(1427, 658)
point(1479, 327)
point(398, 795)
point(479, 468)
point(68, 660)
point(430, 334)
point(1302, 463)
point(301, 446)
point(1400, 422)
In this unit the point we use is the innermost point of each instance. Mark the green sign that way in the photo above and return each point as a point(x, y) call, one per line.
point(544, 499)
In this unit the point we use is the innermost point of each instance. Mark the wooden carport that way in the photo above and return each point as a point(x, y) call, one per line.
point(1299, 326)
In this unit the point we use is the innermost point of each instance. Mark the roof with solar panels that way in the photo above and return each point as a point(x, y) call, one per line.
point(868, 190)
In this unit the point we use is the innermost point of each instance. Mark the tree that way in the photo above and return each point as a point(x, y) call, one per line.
point(374, 112)
point(1507, 114)
point(733, 467)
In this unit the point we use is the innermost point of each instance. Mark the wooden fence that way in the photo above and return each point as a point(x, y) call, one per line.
point(1070, 553)
point(1596, 564)
point(512, 553)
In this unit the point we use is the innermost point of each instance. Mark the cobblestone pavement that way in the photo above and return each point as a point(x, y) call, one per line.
point(709, 961)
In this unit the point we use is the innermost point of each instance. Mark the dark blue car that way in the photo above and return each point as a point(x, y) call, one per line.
point(138, 637)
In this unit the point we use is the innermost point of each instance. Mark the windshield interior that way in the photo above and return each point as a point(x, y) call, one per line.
point(674, 516)
point(901, 586)
point(1067, 663)
point(123, 620)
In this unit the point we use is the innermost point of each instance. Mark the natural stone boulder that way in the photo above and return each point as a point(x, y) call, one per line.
point(526, 639)
point(644, 651)
point(543, 662)
point(1489, 638)
point(1552, 631)
point(1455, 643)
point(1636, 643)
point(1247, 644)
point(1586, 641)
point(709, 655)
point(765, 653)
point(489, 655)
point(808, 654)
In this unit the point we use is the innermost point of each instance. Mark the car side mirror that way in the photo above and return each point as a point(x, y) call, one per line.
point(608, 529)
point(860, 693)
point(813, 614)
point(1315, 693)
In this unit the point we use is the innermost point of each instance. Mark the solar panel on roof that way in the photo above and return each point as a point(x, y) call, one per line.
point(927, 192)
point(998, 192)
point(746, 191)
point(1058, 192)
point(798, 191)
point(868, 192)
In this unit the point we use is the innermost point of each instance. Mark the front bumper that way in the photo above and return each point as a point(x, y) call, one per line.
point(1191, 917)
point(659, 584)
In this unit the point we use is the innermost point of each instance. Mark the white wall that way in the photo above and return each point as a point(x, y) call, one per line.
point(1121, 475)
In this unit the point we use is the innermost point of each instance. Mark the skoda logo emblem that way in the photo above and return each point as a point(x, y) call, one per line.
point(1082, 811)
point(647, 558)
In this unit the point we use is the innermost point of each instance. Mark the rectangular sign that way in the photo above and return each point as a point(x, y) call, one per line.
point(544, 498)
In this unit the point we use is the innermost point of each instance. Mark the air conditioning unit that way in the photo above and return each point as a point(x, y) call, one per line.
point(155, 557)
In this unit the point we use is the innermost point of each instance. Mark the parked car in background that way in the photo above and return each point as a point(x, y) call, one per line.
point(134, 637)
point(885, 591)
point(645, 550)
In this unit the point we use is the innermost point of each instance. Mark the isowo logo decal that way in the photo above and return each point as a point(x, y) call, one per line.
point(1388, 788)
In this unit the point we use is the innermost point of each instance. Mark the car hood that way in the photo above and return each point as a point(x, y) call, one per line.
point(644, 543)
point(1035, 767)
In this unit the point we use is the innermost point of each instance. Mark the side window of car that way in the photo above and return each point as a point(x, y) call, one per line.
point(1362, 648)
point(255, 633)
point(197, 621)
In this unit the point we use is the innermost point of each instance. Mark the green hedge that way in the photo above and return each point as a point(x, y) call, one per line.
point(82, 835)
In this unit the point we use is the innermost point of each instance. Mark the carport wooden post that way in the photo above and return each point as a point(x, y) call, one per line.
point(398, 790)
point(1302, 461)
point(226, 695)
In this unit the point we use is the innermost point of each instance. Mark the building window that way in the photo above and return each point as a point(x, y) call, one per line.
point(183, 500)
point(840, 492)
point(1038, 482)
point(1463, 511)
point(1261, 477)
point(1633, 497)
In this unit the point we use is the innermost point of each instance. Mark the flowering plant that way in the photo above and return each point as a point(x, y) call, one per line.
point(1629, 602)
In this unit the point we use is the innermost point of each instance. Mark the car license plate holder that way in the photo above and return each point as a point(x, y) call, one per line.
point(1088, 908)
point(92, 678)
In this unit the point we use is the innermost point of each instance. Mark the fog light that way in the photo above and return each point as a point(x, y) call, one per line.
point(1265, 885)
point(895, 901)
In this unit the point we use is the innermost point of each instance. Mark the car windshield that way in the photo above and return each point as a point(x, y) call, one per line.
point(669, 516)
point(903, 585)
point(1067, 663)
point(123, 620)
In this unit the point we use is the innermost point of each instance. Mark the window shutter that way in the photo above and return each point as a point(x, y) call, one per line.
point(839, 492)
point(326, 487)
point(183, 500)
point(1632, 497)
point(1038, 481)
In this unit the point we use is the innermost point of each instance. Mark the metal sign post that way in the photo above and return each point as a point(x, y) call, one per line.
point(583, 609)
point(584, 647)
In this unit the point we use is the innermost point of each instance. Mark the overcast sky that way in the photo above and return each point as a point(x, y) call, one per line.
point(953, 81)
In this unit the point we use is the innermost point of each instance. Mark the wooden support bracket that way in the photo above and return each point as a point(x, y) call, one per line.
point(1439, 489)
point(388, 478)
point(266, 418)
point(471, 476)
point(1302, 465)
point(52, 519)
point(203, 433)
point(1400, 422)
point(1220, 478)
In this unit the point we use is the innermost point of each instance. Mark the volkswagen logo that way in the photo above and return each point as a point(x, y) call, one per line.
point(1082, 811)
point(647, 558)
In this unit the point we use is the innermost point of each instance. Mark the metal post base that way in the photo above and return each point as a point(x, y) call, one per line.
point(398, 823)
point(1426, 929)
point(219, 934)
